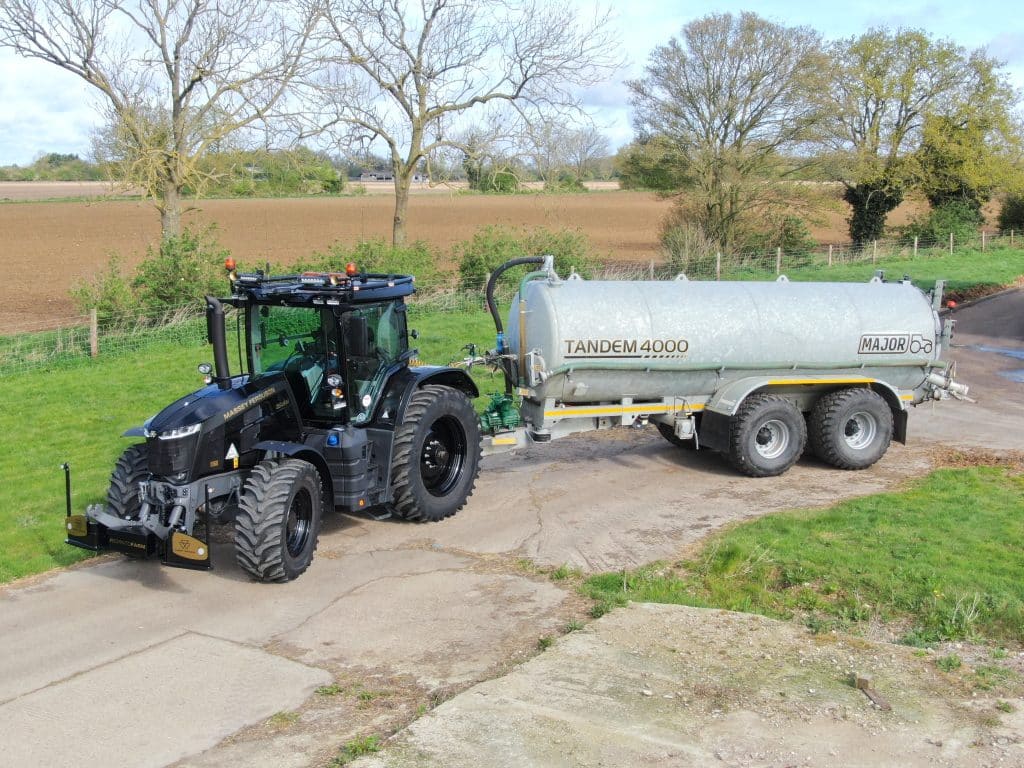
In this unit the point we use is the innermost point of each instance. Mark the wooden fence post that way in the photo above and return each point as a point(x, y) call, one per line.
point(652, 269)
point(94, 333)
point(950, 243)
point(830, 254)
point(874, 251)
point(915, 246)
point(778, 261)
point(718, 266)
point(983, 240)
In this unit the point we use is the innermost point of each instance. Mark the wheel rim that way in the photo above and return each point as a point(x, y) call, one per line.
point(443, 456)
point(300, 521)
point(772, 439)
point(860, 430)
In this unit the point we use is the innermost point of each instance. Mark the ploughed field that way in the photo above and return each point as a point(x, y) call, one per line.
point(48, 247)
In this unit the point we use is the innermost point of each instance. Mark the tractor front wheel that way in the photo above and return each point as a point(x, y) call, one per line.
point(130, 470)
point(436, 456)
point(278, 520)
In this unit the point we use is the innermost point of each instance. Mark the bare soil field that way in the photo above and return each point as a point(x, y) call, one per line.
point(48, 247)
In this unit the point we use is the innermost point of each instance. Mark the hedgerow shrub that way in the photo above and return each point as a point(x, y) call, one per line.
point(493, 245)
point(1011, 213)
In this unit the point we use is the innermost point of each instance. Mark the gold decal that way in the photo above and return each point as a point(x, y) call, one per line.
point(77, 525)
point(189, 547)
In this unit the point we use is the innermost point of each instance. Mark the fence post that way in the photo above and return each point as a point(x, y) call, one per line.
point(718, 266)
point(94, 333)
point(950, 243)
point(915, 246)
point(1011, 238)
point(830, 254)
point(778, 261)
point(874, 251)
point(983, 240)
point(652, 269)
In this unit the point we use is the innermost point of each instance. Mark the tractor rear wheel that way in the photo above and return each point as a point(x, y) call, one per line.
point(278, 520)
point(130, 470)
point(766, 436)
point(436, 456)
point(851, 428)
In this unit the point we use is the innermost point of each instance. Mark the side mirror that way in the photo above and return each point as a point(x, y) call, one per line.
point(358, 336)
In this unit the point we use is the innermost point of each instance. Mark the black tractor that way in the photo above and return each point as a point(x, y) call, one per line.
point(328, 414)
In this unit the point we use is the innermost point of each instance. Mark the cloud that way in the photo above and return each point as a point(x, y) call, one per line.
point(1008, 47)
point(45, 110)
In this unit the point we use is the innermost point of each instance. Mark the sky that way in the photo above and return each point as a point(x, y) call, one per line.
point(44, 109)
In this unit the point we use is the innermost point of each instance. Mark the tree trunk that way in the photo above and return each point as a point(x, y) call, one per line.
point(403, 181)
point(170, 211)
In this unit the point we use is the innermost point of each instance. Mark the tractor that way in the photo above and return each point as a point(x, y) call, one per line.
point(328, 411)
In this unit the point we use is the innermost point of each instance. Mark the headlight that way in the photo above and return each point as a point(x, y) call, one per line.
point(174, 434)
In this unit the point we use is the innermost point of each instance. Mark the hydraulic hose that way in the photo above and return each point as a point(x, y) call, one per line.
point(493, 307)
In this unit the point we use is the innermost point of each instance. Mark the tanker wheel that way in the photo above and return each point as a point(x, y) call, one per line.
point(766, 436)
point(123, 493)
point(850, 428)
point(278, 519)
point(666, 431)
point(436, 456)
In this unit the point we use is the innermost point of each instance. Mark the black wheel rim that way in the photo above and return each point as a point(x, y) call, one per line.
point(300, 520)
point(443, 456)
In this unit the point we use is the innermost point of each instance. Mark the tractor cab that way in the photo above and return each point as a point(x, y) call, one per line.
point(336, 338)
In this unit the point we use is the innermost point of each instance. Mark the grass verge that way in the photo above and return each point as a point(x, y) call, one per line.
point(942, 556)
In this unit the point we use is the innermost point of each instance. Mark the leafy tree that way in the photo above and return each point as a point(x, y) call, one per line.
point(177, 76)
point(403, 73)
point(725, 98)
point(884, 86)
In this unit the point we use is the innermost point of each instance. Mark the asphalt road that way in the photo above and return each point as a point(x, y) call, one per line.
point(125, 663)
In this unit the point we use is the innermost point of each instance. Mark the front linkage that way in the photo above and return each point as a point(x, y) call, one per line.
point(167, 524)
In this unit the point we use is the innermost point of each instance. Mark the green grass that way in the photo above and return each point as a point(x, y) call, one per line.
point(962, 271)
point(77, 412)
point(943, 555)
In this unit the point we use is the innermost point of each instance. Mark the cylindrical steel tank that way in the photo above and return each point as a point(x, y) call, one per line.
point(603, 340)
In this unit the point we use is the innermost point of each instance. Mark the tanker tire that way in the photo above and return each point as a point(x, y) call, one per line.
point(278, 520)
point(850, 428)
point(123, 493)
point(670, 434)
point(767, 435)
point(436, 456)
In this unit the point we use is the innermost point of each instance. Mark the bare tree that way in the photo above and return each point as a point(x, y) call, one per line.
point(404, 73)
point(176, 76)
point(584, 148)
point(728, 95)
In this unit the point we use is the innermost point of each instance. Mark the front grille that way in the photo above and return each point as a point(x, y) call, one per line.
point(171, 457)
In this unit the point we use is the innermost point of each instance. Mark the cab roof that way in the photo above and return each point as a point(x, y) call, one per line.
point(332, 288)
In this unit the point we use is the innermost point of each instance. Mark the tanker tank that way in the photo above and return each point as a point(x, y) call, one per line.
point(594, 341)
point(758, 371)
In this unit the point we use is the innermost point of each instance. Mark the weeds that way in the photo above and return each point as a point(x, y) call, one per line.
point(358, 747)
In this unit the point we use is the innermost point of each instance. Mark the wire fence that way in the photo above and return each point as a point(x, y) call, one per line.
point(79, 340)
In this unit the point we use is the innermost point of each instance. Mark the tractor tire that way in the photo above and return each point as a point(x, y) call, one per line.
point(278, 520)
point(123, 493)
point(767, 435)
point(436, 457)
point(670, 434)
point(850, 428)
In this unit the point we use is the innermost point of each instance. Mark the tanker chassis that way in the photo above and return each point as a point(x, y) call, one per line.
point(757, 371)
